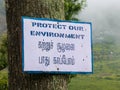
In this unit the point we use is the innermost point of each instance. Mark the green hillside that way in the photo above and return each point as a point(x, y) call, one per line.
point(106, 74)
point(106, 77)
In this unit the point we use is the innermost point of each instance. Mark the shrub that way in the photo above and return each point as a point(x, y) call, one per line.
point(3, 80)
point(3, 84)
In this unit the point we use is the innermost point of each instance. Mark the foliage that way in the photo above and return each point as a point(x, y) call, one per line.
point(3, 80)
point(72, 7)
point(3, 51)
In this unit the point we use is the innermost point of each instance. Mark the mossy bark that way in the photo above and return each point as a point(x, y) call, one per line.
point(32, 8)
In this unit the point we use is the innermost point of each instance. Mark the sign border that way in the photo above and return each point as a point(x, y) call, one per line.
point(55, 72)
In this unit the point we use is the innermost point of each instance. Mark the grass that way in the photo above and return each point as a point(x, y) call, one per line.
point(106, 77)
point(94, 83)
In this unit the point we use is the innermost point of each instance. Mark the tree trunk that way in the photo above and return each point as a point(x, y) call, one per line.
point(32, 8)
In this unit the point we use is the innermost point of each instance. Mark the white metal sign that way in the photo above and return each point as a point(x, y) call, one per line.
point(56, 46)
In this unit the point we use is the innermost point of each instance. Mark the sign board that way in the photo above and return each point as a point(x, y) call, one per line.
point(55, 46)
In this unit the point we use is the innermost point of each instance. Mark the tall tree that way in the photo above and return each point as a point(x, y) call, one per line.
point(76, 5)
point(32, 8)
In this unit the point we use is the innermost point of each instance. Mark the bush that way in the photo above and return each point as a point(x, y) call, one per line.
point(3, 80)
point(3, 51)
point(3, 84)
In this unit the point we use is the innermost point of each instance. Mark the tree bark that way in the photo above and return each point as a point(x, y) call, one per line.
point(32, 8)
